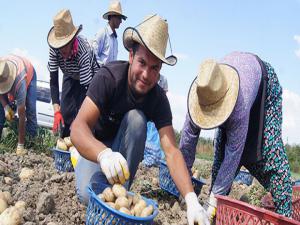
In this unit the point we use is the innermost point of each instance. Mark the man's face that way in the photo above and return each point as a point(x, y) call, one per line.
point(66, 51)
point(143, 71)
point(116, 21)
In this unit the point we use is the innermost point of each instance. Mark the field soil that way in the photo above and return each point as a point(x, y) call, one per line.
point(51, 199)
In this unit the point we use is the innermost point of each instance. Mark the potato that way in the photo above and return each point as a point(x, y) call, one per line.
point(119, 190)
point(136, 198)
point(3, 205)
point(61, 145)
point(68, 142)
point(108, 195)
point(130, 200)
point(147, 211)
point(142, 202)
point(101, 197)
point(111, 204)
point(139, 207)
point(20, 205)
point(26, 173)
point(125, 210)
point(196, 174)
point(122, 202)
point(7, 196)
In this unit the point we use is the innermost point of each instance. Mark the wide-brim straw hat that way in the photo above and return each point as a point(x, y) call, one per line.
point(213, 94)
point(153, 34)
point(63, 30)
point(114, 9)
point(8, 73)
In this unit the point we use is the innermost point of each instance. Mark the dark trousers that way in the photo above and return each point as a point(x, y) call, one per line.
point(72, 97)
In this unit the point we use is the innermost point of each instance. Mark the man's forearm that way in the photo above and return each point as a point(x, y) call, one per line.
point(179, 172)
point(89, 147)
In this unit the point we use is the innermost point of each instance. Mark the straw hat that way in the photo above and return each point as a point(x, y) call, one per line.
point(114, 9)
point(153, 34)
point(63, 30)
point(8, 72)
point(213, 94)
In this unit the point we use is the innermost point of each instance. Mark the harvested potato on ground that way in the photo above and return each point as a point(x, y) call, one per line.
point(119, 190)
point(147, 211)
point(61, 145)
point(125, 210)
point(11, 216)
point(108, 195)
point(196, 174)
point(20, 205)
point(5, 195)
point(68, 142)
point(26, 173)
point(122, 202)
point(3, 205)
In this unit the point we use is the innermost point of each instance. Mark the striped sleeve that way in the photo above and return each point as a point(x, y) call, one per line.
point(85, 61)
point(53, 61)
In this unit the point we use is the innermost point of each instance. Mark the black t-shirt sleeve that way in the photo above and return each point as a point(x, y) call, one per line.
point(101, 88)
point(162, 116)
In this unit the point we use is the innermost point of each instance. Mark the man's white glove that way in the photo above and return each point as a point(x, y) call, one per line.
point(114, 166)
point(212, 207)
point(195, 212)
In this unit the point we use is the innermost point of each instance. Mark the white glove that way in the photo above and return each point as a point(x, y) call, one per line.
point(195, 212)
point(212, 207)
point(114, 166)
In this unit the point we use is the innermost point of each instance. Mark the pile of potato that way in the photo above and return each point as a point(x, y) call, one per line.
point(10, 215)
point(64, 144)
point(118, 198)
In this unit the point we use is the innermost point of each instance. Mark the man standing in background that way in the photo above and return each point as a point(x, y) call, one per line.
point(105, 44)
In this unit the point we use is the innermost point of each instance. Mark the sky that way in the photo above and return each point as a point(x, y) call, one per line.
point(198, 30)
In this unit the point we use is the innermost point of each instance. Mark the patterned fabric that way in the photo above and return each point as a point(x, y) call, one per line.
point(105, 45)
point(153, 152)
point(273, 172)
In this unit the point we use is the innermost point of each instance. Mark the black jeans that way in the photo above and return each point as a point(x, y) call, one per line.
point(72, 97)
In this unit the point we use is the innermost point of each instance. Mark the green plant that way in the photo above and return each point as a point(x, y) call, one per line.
point(40, 143)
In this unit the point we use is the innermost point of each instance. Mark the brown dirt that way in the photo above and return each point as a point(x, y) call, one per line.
point(51, 200)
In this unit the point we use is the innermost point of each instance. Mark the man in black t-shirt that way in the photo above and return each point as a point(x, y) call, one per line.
point(110, 128)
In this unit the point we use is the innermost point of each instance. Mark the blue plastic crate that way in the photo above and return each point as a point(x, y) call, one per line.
point(62, 160)
point(244, 177)
point(296, 183)
point(167, 184)
point(98, 212)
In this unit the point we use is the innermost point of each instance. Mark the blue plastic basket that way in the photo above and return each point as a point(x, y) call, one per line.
point(244, 177)
point(167, 184)
point(62, 160)
point(98, 212)
point(296, 183)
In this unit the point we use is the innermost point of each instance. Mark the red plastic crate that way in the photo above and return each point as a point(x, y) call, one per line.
point(234, 212)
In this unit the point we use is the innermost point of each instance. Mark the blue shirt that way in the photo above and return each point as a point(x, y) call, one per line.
point(236, 126)
point(105, 45)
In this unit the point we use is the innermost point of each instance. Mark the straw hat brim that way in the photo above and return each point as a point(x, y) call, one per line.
point(212, 116)
point(132, 35)
point(56, 43)
point(7, 85)
point(113, 13)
